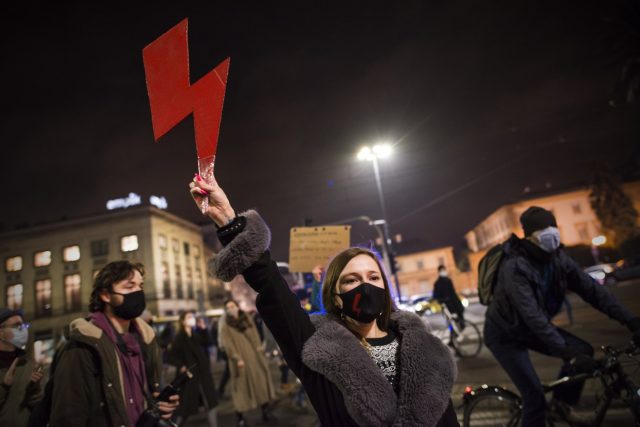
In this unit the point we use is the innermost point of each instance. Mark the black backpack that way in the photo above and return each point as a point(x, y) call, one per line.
point(488, 273)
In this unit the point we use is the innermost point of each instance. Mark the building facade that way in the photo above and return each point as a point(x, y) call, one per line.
point(577, 222)
point(49, 269)
point(418, 271)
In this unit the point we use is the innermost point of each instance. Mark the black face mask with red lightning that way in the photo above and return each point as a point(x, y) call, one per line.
point(363, 303)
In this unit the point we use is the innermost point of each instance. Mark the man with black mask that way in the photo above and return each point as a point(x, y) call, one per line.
point(533, 278)
point(109, 369)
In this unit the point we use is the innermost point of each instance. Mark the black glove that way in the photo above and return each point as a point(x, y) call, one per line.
point(634, 327)
point(581, 363)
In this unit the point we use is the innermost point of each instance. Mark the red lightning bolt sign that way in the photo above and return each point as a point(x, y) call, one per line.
point(172, 96)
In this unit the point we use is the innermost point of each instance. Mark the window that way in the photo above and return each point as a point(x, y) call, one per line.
point(99, 247)
point(162, 241)
point(583, 231)
point(71, 253)
point(420, 264)
point(129, 243)
point(175, 245)
point(198, 279)
point(42, 259)
point(166, 282)
point(13, 263)
point(14, 296)
point(576, 208)
point(440, 261)
point(196, 251)
point(185, 245)
point(43, 297)
point(179, 290)
point(72, 300)
point(190, 293)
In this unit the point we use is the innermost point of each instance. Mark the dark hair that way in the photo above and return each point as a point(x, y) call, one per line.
point(227, 301)
point(108, 275)
point(441, 267)
point(331, 281)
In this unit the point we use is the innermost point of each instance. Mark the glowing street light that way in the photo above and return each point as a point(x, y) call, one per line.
point(372, 154)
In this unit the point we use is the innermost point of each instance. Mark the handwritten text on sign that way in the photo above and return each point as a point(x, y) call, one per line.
point(311, 246)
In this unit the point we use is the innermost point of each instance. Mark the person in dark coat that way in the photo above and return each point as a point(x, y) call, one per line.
point(363, 363)
point(445, 293)
point(533, 278)
point(186, 353)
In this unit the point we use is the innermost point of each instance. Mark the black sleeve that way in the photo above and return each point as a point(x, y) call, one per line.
point(73, 388)
point(597, 295)
point(280, 310)
point(517, 285)
point(175, 355)
point(449, 418)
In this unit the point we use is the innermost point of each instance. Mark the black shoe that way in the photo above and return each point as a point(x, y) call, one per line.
point(560, 411)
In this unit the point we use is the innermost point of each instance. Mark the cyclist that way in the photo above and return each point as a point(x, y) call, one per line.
point(445, 293)
point(534, 275)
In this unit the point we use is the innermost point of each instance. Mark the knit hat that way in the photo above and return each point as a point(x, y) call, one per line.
point(6, 313)
point(536, 218)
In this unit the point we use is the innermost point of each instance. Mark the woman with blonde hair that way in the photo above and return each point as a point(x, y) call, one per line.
point(363, 363)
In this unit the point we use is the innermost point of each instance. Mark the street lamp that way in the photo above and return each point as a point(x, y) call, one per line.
point(372, 154)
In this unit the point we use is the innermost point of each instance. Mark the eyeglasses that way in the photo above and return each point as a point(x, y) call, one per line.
point(19, 326)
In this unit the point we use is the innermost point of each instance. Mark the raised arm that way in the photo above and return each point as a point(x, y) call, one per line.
point(246, 240)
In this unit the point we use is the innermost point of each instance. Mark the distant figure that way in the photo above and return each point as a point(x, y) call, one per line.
point(251, 384)
point(445, 293)
point(187, 352)
point(20, 377)
point(316, 289)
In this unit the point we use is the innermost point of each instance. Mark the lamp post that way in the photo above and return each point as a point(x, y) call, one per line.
point(373, 154)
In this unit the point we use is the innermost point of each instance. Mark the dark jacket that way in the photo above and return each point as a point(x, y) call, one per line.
point(519, 306)
point(17, 401)
point(445, 293)
point(343, 383)
point(87, 383)
point(187, 351)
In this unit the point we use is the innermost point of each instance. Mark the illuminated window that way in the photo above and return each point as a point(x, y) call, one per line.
point(162, 241)
point(13, 263)
point(99, 247)
point(196, 251)
point(72, 300)
point(14, 296)
point(129, 243)
point(42, 259)
point(71, 253)
point(175, 245)
point(43, 297)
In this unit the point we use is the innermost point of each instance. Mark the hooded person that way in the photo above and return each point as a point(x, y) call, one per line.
point(20, 376)
point(533, 278)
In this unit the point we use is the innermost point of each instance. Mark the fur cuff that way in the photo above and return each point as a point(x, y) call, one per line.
point(245, 249)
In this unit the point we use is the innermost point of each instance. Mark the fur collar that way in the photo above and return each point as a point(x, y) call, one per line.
point(427, 372)
point(245, 249)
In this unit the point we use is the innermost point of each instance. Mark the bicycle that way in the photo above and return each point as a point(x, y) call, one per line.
point(466, 341)
point(496, 406)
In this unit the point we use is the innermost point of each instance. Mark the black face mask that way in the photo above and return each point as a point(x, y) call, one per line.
point(132, 306)
point(363, 303)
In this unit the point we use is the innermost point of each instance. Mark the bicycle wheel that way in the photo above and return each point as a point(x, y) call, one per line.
point(467, 342)
point(492, 410)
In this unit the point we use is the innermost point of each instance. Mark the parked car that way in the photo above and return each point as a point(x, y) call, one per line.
point(601, 273)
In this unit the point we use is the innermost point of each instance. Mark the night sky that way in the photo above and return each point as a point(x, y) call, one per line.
point(480, 99)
